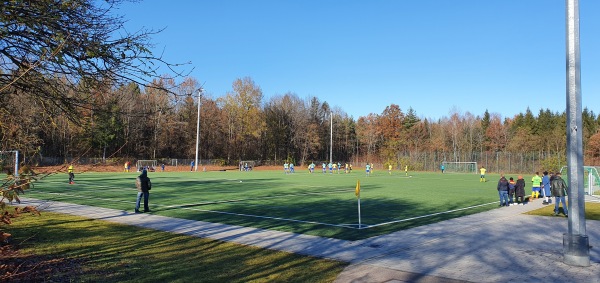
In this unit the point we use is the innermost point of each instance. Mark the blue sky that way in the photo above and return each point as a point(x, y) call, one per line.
point(436, 56)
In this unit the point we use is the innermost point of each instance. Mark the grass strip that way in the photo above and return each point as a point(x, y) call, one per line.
point(63, 248)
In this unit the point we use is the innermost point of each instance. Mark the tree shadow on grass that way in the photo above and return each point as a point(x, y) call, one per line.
point(119, 253)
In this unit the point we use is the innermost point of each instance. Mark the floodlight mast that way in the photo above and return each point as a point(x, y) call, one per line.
point(199, 91)
point(576, 249)
point(331, 137)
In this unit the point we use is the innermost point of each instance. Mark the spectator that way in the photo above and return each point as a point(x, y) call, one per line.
point(143, 184)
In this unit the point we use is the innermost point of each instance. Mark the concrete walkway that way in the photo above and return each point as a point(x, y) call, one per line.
point(501, 245)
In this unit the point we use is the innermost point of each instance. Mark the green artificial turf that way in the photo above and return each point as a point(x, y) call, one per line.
point(316, 204)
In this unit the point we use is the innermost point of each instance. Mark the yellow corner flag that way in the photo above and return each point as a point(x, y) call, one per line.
point(357, 192)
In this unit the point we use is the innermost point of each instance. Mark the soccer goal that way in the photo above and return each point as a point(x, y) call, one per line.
point(591, 179)
point(460, 167)
point(247, 165)
point(150, 164)
point(9, 162)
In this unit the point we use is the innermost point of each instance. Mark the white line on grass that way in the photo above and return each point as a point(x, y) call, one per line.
point(219, 201)
point(106, 188)
point(350, 226)
point(210, 211)
point(428, 215)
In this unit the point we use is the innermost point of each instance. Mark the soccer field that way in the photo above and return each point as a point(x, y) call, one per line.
point(316, 204)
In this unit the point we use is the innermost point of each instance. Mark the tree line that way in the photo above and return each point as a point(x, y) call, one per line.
point(151, 123)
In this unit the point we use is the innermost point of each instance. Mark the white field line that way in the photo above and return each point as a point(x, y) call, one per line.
point(363, 226)
point(107, 188)
point(210, 211)
point(429, 215)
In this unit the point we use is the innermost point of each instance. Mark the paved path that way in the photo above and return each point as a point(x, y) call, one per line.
point(501, 245)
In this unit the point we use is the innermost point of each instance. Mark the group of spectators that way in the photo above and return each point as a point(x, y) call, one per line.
point(549, 185)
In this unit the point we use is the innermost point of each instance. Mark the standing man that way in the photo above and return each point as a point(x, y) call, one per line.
point(71, 175)
point(192, 166)
point(482, 174)
point(368, 168)
point(125, 166)
point(285, 167)
point(406, 170)
point(536, 183)
point(143, 184)
point(559, 191)
point(546, 188)
point(503, 191)
point(511, 190)
point(442, 167)
point(390, 169)
point(520, 190)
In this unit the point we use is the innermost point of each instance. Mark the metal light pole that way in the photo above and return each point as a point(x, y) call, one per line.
point(198, 129)
point(575, 243)
point(331, 137)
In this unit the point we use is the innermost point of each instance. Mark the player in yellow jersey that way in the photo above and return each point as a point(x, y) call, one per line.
point(482, 174)
point(71, 175)
point(536, 182)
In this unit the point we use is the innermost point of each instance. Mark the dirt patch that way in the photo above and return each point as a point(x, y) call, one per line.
point(120, 168)
point(18, 267)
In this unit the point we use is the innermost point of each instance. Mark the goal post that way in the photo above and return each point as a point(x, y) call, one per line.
point(9, 161)
point(460, 167)
point(591, 179)
point(247, 165)
point(151, 164)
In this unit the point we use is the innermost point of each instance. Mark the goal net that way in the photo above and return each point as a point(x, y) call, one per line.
point(460, 167)
point(148, 164)
point(247, 165)
point(591, 179)
point(9, 162)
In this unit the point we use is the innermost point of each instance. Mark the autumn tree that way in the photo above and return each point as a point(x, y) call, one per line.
point(245, 120)
point(592, 152)
point(497, 134)
point(390, 128)
point(368, 137)
point(75, 40)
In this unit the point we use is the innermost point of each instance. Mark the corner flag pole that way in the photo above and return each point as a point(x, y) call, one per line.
point(357, 192)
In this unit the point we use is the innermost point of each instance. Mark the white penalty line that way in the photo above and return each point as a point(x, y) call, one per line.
point(428, 215)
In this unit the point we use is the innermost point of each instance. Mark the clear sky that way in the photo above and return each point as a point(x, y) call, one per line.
point(436, 56)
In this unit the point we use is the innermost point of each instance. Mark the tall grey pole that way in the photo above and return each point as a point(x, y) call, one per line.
point(331, 137)
point(16, 163)
point(575, 242)
point(197, 130)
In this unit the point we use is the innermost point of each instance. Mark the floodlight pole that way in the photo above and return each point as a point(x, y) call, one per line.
point(331, 137)
point(198, 129)
point(575, 243)
point(16, 163)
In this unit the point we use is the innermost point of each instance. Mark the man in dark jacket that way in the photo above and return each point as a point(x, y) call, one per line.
point(503, 191)
point(520, 190)
point(559, 191)
point(143, 185)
